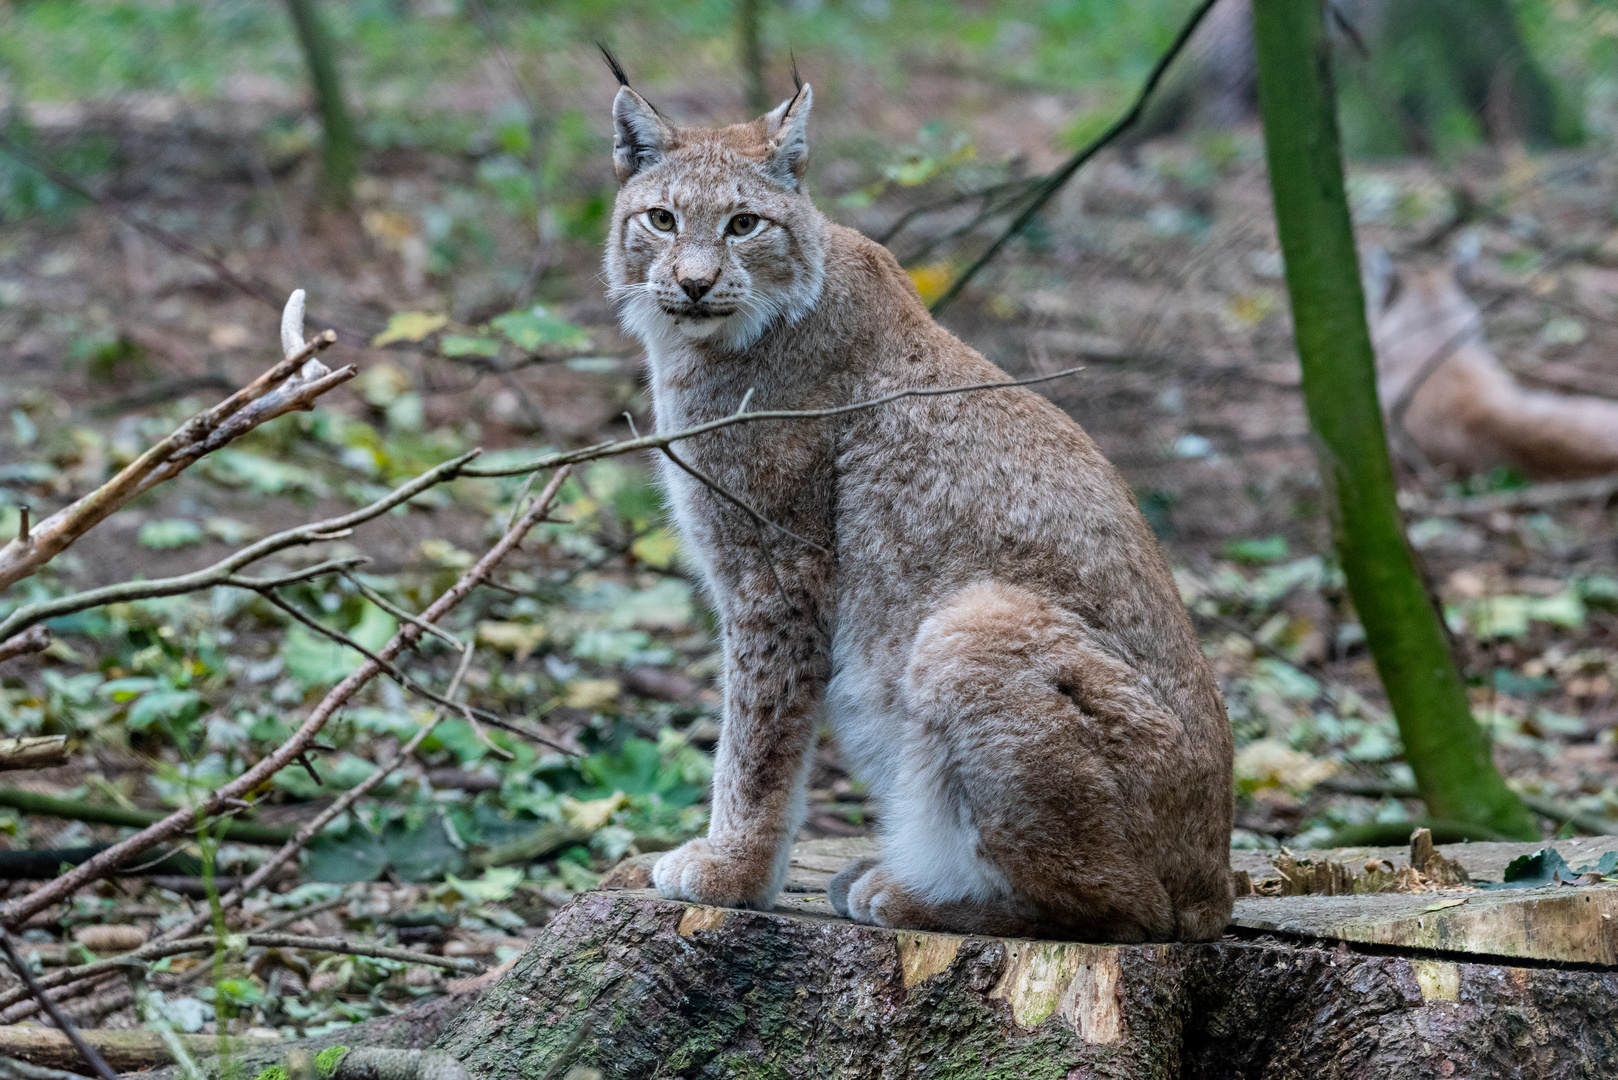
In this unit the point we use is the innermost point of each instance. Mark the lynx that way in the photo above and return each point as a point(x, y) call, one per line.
point(961, 585)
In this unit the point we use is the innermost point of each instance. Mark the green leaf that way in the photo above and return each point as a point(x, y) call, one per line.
point(496, 884)
point(409, 326)
point(1606, 866)
point(122, 690)
point(359, 856)
point(423, 853)
point(1544, 867)
point(460, 345)
point(165, 706)
point(531, 329)
point(314, 661)
point(169, 533)
point(1271, 549)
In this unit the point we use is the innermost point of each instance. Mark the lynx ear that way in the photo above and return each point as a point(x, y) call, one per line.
point(788, 125)
point(639, 135)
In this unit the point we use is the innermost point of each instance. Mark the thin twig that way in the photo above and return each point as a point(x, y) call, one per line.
point(36, 640)
point(97, 1062)
point(657, 442)
point(317, 532)
point(1064, 173)
point(719, 489)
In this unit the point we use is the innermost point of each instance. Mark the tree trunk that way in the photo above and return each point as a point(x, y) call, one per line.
point(1459, 70)
point(1447, 751)
point(750, 50)
point(340, 151)
point(637, 987)
point(1420, 75)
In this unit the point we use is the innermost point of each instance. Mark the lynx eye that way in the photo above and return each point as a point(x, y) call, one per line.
point(742, 224)
point(661, 219)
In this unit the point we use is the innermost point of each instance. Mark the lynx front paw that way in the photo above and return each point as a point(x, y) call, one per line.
point(701, 872)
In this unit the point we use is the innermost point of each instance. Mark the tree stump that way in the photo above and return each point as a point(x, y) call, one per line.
point(636, 986)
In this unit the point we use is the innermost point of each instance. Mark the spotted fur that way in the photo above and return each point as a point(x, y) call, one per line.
point(975, 603)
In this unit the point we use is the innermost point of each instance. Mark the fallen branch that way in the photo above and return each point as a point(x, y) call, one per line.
point(1589, 824)
point(382, 1063)
point(229, 794)
point(157, 950)
point(41, 865)
point(292, 384)
point(33, 751)
point(13, 1069)
point(36, 640)
point(125, 1051)
point(32, 802)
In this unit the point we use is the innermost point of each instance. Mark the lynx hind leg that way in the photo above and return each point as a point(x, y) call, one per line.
point(843, 880)
point(1015, 710)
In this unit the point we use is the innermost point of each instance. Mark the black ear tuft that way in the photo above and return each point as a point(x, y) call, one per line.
point(797, 83)
point(612, 62)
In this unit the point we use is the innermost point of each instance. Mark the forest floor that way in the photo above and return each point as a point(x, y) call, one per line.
point(1157, 272)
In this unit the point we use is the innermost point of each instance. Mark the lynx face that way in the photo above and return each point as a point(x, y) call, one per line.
point(713, 236)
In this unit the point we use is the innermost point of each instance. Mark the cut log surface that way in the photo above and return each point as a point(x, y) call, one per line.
point(637, 986)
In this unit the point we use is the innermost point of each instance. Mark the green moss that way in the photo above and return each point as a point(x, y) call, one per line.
point(327, 1060)
point(274, 1072)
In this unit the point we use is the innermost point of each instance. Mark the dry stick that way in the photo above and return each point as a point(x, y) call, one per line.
point(658, 442)
point(316, 532)
point(33, 751)
point(19, 558)
point(184, 820)
point(473, 715)
point(1058, 179)
point(23, 972)
point(36, 640)
point(392, 671)
point(1018, 188)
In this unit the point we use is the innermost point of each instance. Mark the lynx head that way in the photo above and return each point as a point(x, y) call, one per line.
point(713, 238)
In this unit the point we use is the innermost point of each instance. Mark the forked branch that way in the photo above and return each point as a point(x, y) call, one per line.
point(292, 384)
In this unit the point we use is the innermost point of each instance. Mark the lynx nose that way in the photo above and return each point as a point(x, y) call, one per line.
point(697, 288)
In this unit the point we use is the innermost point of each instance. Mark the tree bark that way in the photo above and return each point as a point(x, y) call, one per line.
point(1444, 747)
point(340, 149)
point(750, 50)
